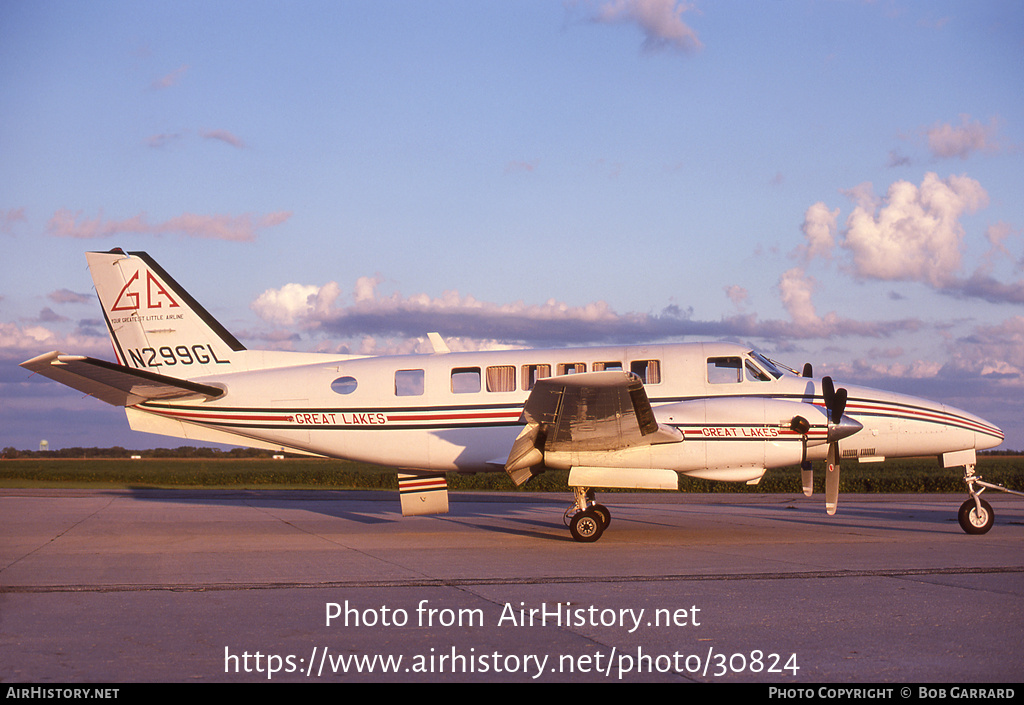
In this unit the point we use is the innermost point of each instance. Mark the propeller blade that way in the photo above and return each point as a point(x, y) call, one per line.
point(807, 477)
point(828, 391)
point(832, 479)
point(835, 400)
point(839, 405)
point(808, 370)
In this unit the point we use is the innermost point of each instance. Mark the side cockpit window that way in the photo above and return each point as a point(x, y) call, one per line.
point(754, 374)
point(732, 370)
point(725, 370)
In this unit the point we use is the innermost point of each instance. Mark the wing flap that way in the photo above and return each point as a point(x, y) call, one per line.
point(596, 411)
point(116, 384)
point(624, 478)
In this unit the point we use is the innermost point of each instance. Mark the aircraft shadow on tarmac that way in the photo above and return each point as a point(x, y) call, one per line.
point(383, 509)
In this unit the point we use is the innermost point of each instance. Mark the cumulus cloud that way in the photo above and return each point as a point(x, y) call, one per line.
point(737, 294)
point(914, 233)
point(993, 352)
point(240, 228)
point(945, 140)
point(287, 305)
point(660, 21)
point(22, 342)
point(819, 229)
point(795, 289)
point(997, 234)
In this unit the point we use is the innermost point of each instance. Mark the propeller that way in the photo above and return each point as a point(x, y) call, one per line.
point(835, 402)
point(801, 425)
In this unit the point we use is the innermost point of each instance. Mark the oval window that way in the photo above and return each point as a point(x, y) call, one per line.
point(344, 385)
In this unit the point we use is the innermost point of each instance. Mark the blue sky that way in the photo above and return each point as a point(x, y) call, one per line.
point(834, 182)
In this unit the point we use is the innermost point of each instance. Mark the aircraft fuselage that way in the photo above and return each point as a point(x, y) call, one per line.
point(457, 411)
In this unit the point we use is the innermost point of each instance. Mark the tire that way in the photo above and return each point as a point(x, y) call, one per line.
point(603, 514)
point(586, 526)
point(971, 521)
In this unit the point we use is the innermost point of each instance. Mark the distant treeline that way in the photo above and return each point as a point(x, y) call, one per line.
point(10, 453)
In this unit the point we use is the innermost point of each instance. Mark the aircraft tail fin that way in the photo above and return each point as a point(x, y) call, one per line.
point(154, 324)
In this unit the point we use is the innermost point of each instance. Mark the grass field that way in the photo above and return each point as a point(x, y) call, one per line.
point(914, 475)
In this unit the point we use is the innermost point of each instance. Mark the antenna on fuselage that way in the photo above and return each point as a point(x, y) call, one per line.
point(440, 347)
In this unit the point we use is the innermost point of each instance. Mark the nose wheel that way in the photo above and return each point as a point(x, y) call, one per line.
point(976, 516)
point(585, 518)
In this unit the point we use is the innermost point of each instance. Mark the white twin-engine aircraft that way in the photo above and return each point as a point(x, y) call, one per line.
point(616, 417)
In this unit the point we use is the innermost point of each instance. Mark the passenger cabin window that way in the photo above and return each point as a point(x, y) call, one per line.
point(344, 385)
point(408, 383)
point(725, 370)
point(531, 373)
point(501, 378)
point(465, 380)
point(572, 368)
point(649, 371)
point(602, 366)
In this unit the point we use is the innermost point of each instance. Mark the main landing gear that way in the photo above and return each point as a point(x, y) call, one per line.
point(585, 518)
point(976, 515)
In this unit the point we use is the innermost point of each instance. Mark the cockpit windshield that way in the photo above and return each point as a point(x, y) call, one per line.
point(766, 364)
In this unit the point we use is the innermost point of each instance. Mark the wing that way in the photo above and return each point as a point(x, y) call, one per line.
point(116, 384)
point(598, 411)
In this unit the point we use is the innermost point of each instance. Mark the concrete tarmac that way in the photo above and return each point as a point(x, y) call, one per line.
point(119, 586)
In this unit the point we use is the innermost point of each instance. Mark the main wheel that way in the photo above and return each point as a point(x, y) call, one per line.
point(603, 514)
point(972, 521)
point(586, 526)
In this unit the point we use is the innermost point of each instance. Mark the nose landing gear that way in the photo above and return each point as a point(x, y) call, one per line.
point(976, 515)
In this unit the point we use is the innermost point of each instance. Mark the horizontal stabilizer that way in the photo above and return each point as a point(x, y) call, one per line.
point(116, 384)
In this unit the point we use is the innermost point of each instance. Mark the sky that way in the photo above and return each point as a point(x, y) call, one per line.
point(829, 182)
